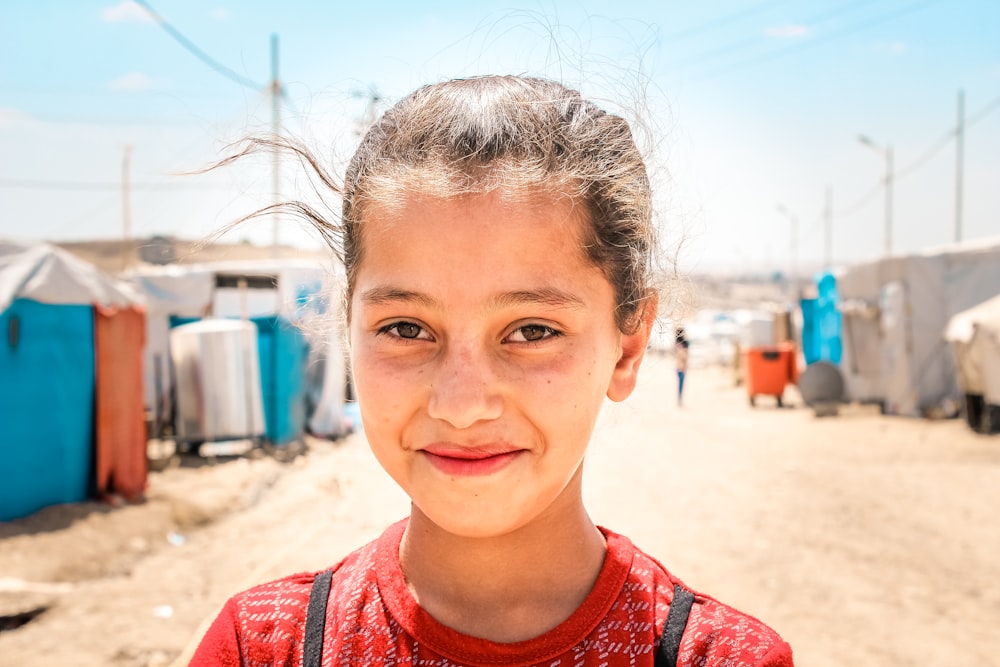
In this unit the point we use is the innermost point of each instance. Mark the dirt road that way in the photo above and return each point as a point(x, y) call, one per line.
point(862, 539)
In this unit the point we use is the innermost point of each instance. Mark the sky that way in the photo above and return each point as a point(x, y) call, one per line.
point(750, 112)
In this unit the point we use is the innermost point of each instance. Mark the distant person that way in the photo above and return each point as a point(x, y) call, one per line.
point(681, 359)
point(497, 240)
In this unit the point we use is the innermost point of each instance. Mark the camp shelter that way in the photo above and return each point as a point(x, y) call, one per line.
point(71, 414)
point(302, 365)
point(895, 311)
point(975, 338)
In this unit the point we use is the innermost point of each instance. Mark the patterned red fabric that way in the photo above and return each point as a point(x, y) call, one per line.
point(373, 620)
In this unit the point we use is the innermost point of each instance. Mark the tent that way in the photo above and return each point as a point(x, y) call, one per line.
point(895, 311)
point(302, 362)
point(71, 414)
point(975, 338)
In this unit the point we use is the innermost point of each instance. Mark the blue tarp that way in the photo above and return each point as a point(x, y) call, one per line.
point(822, 323)
point(283, 354)
point(47, 379)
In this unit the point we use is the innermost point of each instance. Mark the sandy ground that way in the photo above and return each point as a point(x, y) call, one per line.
point(863, 539)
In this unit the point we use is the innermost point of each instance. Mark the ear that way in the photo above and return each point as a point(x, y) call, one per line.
point(633, 349)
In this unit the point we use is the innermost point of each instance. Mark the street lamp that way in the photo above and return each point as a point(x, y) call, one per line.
point(886, 153)
point(793, 268)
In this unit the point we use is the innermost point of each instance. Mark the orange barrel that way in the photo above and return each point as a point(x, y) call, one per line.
point(767, 369)
point(791, 352)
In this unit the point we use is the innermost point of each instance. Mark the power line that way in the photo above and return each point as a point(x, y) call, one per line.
point(925, 157)
point(946, 139)
point(982, 113)
point(859, 203)
point(723, 20)
point(943, 142)
point(208, 60)
point(197, 52)
point(778, 53)
point(757, 39)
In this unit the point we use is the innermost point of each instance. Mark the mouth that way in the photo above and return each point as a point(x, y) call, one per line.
point(470, 462)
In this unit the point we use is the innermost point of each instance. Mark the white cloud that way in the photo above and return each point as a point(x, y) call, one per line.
point(131, 82)
point(787, 31)
point(126, 12)
point(220, 14)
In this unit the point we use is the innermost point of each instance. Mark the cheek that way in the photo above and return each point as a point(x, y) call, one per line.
point(387, 390)
point(572, 383)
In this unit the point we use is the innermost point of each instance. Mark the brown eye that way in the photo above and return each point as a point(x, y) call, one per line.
point(532, 333)
point(404, 330)
point(407, 330)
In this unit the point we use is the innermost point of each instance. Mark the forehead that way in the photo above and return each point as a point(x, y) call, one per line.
point(514, 240)
point(498, 218)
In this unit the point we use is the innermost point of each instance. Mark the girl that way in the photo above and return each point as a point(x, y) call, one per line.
point(681, 361)
point(497, 241)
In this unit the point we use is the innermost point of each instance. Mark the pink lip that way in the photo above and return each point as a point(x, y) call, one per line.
point(468, 461)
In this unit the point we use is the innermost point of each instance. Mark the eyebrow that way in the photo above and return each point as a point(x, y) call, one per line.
point(546, 296)
point(385, 294)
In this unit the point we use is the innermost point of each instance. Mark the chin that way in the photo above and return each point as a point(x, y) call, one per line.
point(469, 525)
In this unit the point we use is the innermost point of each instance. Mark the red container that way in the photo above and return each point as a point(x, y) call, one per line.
point(767, 369)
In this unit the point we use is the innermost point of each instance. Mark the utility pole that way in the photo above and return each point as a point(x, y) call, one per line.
point(888, 200)
point(126, 207)
point(828, 230)
point(959, 160)
point(276, 131)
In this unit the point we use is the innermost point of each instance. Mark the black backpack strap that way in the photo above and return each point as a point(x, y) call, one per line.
point(312, 653)
point(673, 629)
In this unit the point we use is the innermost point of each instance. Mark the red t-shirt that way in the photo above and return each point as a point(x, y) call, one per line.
point(372, 619)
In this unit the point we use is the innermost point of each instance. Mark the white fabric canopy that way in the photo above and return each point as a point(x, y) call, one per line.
point(975, 338)
point(45, 273)
point(984, 317)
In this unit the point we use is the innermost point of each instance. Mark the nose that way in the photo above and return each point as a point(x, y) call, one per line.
point(464, 387)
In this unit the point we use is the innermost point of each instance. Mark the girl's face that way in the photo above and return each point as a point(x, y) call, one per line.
point(483, 344)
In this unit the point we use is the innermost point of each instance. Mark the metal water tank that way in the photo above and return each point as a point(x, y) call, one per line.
point(217, 380)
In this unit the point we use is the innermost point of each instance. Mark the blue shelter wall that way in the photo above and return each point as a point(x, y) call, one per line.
point(283, 354)
point(47, 380)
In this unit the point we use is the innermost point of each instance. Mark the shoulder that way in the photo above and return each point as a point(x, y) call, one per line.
point(284, 601)
point(716, 633)
point(266, 624)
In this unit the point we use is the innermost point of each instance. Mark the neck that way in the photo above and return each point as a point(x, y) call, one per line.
point(508, 587)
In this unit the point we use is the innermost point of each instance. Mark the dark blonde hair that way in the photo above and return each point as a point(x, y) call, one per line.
point(515, 133)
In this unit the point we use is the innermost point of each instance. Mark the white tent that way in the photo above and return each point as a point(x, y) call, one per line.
point(47, 274)
point(895, 314)
point(296, 290)
point(975, 338)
